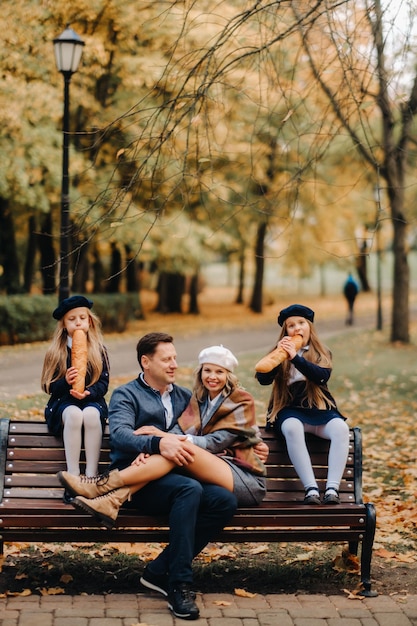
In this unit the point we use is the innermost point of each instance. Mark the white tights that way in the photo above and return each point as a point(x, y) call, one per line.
point(337, 431)
point(74, 419)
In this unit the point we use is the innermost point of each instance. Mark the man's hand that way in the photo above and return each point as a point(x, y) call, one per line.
point(140, 459)
point(262, 451)
point(177, 449)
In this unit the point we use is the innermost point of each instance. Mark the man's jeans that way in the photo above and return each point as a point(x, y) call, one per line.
point(197, 513)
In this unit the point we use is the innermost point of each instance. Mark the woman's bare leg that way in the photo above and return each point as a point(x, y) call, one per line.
point(209, 468)
point(206, 467)
point(153, 467)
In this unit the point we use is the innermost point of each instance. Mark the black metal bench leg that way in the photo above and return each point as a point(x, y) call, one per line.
point(4, 439)
point(366, 555)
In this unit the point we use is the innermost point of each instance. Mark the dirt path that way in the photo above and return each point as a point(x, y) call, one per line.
point(220, 322)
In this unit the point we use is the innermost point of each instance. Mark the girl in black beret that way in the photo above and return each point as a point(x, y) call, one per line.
point(73, 414)
point(301, 402)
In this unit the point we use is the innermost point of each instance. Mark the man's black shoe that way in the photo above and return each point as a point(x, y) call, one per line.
point(67, 498)
point(181, 602)
point(156, 582)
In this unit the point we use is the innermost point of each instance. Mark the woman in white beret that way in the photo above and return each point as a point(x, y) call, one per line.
point(224, 440)
point(221, 418)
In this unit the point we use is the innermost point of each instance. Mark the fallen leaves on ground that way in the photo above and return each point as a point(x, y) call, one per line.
point(242, 593)
point(52, 591)
point(355, 594)
point(347, 562)
point(395, 556)
point(15, 594)
point(221, 603)
point(216, 551)
point(307, 556)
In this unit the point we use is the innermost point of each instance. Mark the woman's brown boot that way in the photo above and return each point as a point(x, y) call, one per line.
point(104, 508)
point(91, 487)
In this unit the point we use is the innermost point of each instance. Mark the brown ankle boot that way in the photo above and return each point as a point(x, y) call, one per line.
point(104, 508)
point(91, 487)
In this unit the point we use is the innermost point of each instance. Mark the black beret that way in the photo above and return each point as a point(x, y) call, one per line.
point(295, 310)
point(71, 303)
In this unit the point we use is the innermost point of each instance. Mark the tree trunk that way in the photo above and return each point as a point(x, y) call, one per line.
point(30, 254)
point(170, 292)
point(256, 301)
point(401, 277)
point(81, 269)
point(193, 306)
point(10, 281)
point(48, 257)
point(113, 285)
point(132, 282)
point(98, 272)
point(241, 287)
point(362, 268)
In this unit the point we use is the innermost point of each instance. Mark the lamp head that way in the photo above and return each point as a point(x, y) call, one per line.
point(68, 48)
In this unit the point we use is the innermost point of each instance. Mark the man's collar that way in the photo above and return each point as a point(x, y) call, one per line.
point(168, 389)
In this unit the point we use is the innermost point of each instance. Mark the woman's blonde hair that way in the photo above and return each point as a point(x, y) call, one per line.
point(55, 362)
point(201, 392)
point(315, 396)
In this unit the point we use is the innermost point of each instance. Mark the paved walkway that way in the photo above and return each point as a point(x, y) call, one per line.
point(216, 610)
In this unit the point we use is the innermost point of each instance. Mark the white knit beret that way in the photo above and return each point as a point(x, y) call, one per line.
point(218, 355)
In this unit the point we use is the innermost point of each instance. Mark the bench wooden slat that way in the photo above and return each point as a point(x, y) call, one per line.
point(31, 506)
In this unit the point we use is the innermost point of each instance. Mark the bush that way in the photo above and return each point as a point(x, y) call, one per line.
point(25, 319)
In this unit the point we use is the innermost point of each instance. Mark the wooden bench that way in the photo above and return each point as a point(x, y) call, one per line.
point(32, 510)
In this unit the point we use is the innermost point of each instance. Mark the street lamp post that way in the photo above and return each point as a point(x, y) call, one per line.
point(68, 49)
point(377, 198)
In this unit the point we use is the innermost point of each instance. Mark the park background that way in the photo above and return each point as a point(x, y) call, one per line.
point(225, 158)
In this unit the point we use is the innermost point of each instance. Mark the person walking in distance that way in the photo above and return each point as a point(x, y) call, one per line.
point(350, 291)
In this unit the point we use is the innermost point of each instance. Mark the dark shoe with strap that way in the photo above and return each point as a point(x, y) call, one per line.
point(312, 496)
point(331, 496)
point(181, 602)
point(156, 582)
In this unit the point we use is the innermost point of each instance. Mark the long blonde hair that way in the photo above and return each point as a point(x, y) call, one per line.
point(201, 392)
point(55, 362)
point(315, 396)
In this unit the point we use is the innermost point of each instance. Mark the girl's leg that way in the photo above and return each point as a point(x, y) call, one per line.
point(93, 435)
point(72, 419)
point(294, 433)
point(337, 431)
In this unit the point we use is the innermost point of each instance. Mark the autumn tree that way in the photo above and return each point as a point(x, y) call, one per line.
point(232, 132)
point(211, 111)
point(343, 49)
point(357, 54)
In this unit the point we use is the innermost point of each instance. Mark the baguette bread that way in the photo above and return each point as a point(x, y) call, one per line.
point(79, 358)
point(276, 357)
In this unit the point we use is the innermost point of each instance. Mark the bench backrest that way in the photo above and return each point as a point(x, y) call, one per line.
point(30, 458)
